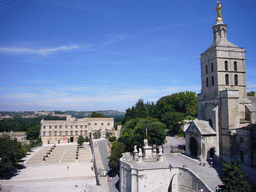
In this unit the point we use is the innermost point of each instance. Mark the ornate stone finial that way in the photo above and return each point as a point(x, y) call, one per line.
point(219, 19)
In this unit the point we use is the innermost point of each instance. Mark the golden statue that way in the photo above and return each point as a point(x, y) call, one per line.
point(219, 15)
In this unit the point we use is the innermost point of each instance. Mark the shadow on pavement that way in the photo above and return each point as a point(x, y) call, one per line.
point(12, 173)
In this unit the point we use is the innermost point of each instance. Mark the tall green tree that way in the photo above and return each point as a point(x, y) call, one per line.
point(130, 114)
point(156, 133)
point(251, 93)
point(33, 132)
point(150, 109)
point(97, 115)
point(141, 111)
point(116, 153)
point(11, 151)
point(173, 121)
point(233, 178)
point(80, 140)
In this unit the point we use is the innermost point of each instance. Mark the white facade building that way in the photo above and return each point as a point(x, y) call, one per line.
point(68, 131)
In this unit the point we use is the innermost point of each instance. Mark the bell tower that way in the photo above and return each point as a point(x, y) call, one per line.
point(223, 84)
point(222, 64)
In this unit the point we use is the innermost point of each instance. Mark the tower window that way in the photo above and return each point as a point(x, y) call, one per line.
point(206, 69)
point(226, 65)
point(236, 79)
point(227, 79)
point(212, 80)
point(235, 66)
point(212, 67)
point(207, 82)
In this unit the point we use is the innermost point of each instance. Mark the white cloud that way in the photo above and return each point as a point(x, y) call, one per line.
point(21, 96)
point(90, 97)
point(39, 51)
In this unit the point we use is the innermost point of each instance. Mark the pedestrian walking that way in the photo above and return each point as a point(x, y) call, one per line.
point(91, 168)
point(108, 178)
point(0, 187)
point(67, 167)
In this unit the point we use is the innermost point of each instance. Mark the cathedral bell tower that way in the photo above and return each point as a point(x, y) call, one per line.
point(223, 81)
point(222, 64)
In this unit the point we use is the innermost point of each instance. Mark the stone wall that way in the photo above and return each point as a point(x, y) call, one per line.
point(158, 179)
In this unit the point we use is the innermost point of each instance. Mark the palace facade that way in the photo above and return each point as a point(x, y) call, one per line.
point(68, 131)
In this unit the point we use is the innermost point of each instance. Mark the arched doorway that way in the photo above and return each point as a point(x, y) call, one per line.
point(212, 153)
point(193, 146)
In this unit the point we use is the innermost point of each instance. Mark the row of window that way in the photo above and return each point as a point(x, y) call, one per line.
point(76, 126)
point(226, 80)
point(64, 133)
point(206, 68)
point(226, 67)
point(207, 81)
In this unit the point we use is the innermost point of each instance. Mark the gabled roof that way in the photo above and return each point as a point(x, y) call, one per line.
point(200, 126)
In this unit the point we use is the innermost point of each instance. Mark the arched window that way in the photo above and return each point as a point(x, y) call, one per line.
point(235, 66)
point(212, 80)
point(206, 69)
point(227, 79)
point(236, 79)
point(226, 65)
point(212, 66)
point(207, 82)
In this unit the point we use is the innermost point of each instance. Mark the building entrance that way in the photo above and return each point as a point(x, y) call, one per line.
point(71, 139)
point(193, 146)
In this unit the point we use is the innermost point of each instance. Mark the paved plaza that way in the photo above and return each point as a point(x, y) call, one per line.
point(61, 171)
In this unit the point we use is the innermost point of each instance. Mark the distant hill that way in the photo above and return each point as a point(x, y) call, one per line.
point(106, 113)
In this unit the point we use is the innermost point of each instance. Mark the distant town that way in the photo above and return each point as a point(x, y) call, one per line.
point(35, 114)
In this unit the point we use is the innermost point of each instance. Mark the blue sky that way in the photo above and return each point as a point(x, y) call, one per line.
point(106, 54)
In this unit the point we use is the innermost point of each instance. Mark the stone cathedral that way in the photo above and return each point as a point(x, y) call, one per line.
point(225, 127)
